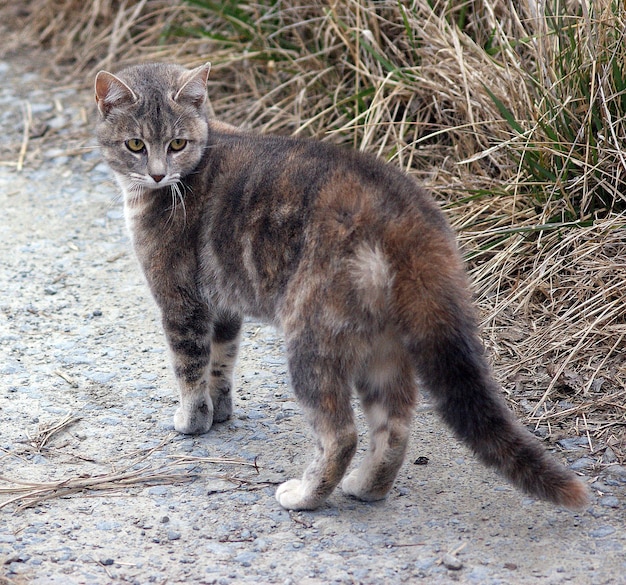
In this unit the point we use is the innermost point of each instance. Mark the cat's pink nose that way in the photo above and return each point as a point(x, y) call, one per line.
point(157, 178)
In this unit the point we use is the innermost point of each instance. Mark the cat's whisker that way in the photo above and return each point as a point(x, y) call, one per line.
point(115, 200)
point(168, 223)
point(134, 190)
point(178, 125)
point(176, 189)
point(173, 189)
point(209, 147)
point(177, 198)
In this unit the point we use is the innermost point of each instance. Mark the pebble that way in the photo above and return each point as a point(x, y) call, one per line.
point(425, 564)
point(107, 525)
point(618, 471)
point(609, 456)
point(451, 562)
point(582, 464)
point(7, 538)
point(246, 559)
point(102, 377)
point(573, 443)
point(609, 502)
point(602, 531)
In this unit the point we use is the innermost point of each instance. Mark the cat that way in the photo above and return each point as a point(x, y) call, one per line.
point(347, 255)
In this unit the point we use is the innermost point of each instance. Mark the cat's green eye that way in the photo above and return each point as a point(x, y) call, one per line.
point(135, 145)
point(178, 144)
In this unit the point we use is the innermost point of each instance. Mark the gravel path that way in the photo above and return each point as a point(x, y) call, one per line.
point(86, 395)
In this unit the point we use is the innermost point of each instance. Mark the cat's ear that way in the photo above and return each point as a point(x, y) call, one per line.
point(193, 89)
point(111, 92)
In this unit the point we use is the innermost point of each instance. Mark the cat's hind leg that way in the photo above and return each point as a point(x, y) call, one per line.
point(322, 389)
point(387, 390)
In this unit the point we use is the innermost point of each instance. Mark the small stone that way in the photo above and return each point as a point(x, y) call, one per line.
point(425, 564)
point(573, 443)
point(582, 464)
point(609, 502)
point(618, 471)
point(102, 377)
point(246, 558)
point(50, 290)
point(451, 563)
point(172, 535)
point(158, 490)
point(255, 415)
point(107, 562)
point(165, 519)
point(609, 456)
point(602, 531)
point(105, 525)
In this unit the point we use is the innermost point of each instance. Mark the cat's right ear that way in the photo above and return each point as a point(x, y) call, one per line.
point(111, 91)
point(193, 90)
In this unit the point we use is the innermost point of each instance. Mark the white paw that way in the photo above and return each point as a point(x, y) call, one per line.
point(351, 484)
point(193, 421)
point(291, 495)
point(354, 485)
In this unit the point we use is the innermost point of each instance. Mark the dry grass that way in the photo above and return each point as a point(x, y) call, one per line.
point(514, 118)
point(135, 470)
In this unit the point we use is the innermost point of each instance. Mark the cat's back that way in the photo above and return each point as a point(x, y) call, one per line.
point(278, 204)
point(317, 177)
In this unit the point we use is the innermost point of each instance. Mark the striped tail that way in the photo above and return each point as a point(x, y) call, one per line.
point(451, 364)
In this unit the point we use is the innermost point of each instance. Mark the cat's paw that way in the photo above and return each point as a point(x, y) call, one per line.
point(193, 419)
point(354, 485)
point(292, 495)
point(222, 407)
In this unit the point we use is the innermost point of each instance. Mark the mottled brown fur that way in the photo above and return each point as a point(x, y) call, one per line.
point(348, 256)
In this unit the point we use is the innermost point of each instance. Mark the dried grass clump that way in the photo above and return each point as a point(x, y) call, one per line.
point(513, 113)
point(82, 35)
point(140, 469)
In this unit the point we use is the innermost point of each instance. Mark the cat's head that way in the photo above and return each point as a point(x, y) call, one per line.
point(153, 123)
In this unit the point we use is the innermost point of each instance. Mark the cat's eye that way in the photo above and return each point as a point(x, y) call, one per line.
point(178, 144)
point(135, 145)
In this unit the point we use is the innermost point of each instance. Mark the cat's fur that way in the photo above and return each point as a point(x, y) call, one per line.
point(348, 256)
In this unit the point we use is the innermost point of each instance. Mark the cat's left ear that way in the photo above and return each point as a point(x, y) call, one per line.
point(193, 90)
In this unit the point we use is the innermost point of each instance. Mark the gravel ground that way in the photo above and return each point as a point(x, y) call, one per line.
point(86, 395)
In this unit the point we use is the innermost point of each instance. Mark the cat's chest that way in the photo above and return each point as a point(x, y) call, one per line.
point(156, 213)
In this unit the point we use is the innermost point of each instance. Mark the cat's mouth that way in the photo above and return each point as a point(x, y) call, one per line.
point(137, 182)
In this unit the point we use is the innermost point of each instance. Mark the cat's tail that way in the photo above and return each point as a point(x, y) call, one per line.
point(450, 362)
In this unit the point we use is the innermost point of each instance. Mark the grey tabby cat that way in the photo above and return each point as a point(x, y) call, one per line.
point(348, 256)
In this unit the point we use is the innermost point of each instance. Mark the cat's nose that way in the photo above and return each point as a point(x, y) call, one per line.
point(157, 178)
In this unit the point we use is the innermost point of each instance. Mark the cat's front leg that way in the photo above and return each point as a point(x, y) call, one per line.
point(204, 351)
point(224, 349)
point(188, 332)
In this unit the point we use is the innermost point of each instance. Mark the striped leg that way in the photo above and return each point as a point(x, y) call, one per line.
point(322, 388)
point(388, 392)
point(224, 349)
